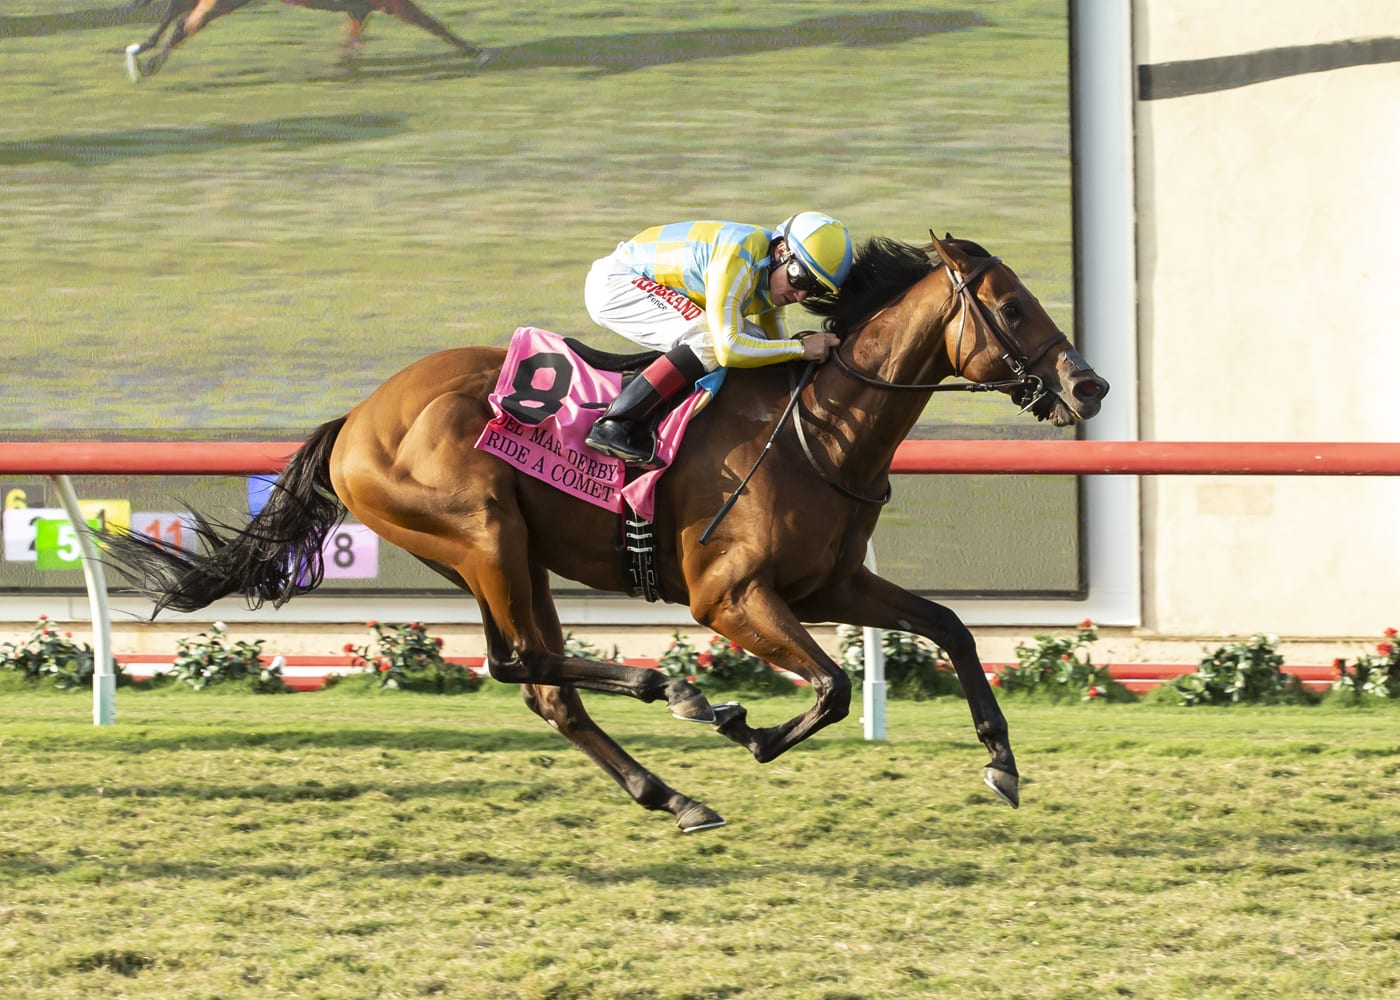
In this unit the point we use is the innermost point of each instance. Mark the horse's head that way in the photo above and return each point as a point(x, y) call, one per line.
point(1000, 333)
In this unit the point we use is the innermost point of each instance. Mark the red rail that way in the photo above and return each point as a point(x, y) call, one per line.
point(1151, 458)
point(142, 458)
point(1126, 458)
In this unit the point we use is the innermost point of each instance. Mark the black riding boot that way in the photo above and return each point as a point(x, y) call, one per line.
point(625, 429)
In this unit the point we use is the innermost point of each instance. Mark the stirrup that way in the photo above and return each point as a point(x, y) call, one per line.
point(620, 445)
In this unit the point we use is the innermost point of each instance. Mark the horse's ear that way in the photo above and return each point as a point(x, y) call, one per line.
point(949, 251)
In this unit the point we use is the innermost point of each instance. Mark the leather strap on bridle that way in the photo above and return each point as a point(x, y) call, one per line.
point(1019, 363)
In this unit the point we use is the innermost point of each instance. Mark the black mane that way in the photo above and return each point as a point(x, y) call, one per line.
point(883, 270)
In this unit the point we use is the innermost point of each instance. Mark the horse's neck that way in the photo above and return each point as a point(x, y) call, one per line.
point(859, 426)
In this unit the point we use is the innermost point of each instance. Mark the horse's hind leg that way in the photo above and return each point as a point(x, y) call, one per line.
point(198, 14)
point(510, 592)
point(407, 10)
point(563, 709)
point(173, 9)
point(354, 33)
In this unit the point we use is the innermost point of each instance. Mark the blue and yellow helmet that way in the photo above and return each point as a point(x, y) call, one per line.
point(822, 245)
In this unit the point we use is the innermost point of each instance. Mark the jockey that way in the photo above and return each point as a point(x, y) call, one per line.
point(710, 295)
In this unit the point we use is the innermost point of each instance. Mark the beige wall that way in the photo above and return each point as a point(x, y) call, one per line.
point(1269, 309)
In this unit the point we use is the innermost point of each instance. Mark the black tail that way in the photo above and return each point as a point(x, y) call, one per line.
point(275, 558)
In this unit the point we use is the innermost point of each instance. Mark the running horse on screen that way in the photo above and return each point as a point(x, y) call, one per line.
point(791, 550)
point(182, 18)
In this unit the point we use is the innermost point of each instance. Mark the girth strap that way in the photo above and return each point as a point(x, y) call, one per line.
point(639, 555)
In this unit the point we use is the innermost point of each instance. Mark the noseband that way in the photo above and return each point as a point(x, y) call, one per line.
point(1017, 360)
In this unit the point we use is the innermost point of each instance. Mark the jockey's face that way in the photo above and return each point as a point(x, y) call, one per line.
point(780, 289)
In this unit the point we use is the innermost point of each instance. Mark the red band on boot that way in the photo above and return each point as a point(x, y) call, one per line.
point(666, 378)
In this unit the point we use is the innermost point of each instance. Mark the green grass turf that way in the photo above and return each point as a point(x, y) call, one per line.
point(341, 844)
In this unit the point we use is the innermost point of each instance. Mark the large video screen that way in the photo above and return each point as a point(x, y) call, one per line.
point(247, 242)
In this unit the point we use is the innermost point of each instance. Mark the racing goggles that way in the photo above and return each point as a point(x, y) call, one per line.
point(802, 279)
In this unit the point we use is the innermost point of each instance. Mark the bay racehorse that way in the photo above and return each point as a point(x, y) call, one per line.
point(182, 18)
point(790, 551)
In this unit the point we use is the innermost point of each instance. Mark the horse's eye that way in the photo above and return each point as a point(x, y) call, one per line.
point(1011, 312)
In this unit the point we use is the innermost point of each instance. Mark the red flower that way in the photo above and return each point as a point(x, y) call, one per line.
point(43, 618)
point(383, 666)
point(1340, 666)
point(68, 635)
point(1086, 623)
point(704, 659)
point(996, 680)
point(1390, 633)
point(1064, 656)
point(1094, 692)
point(349, 648)
point(438, 640)
point(1384, 648)
point(371, 623)
point(415, 626)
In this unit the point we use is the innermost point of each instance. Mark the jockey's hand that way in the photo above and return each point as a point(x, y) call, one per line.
point(816, 344)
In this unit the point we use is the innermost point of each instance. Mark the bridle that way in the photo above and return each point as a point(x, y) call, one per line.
point(1017, 360)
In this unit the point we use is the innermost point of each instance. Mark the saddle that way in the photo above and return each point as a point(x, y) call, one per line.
point(550, 392)
point(626, 364)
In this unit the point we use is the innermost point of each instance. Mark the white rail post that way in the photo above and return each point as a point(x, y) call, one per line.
point(104, 678)
point(873, 690)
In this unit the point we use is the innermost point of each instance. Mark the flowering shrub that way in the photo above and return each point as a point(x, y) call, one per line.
point(722, 665)
point(915, 669)
point(1060, 667)
point(211, 658)
point(407, 658)
point(680, 659)
point(1248, 671)
point(585, 650)
point(1377, 676)
point(49, 654)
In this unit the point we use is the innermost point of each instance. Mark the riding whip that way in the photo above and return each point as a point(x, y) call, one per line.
point(792, 405)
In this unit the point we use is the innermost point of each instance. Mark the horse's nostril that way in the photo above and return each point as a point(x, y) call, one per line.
point(1090, 389)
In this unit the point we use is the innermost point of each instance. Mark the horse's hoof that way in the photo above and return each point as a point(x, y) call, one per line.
point(730, 715)
point(695, 817)
point(688, 704)
point(728, 712)
point(1005, 784)
point(132, 69)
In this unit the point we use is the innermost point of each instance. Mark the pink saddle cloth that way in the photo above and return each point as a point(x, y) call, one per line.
point(545, 403)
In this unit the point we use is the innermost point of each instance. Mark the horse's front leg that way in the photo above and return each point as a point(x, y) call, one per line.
point(759, 621)
point(869, 600)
